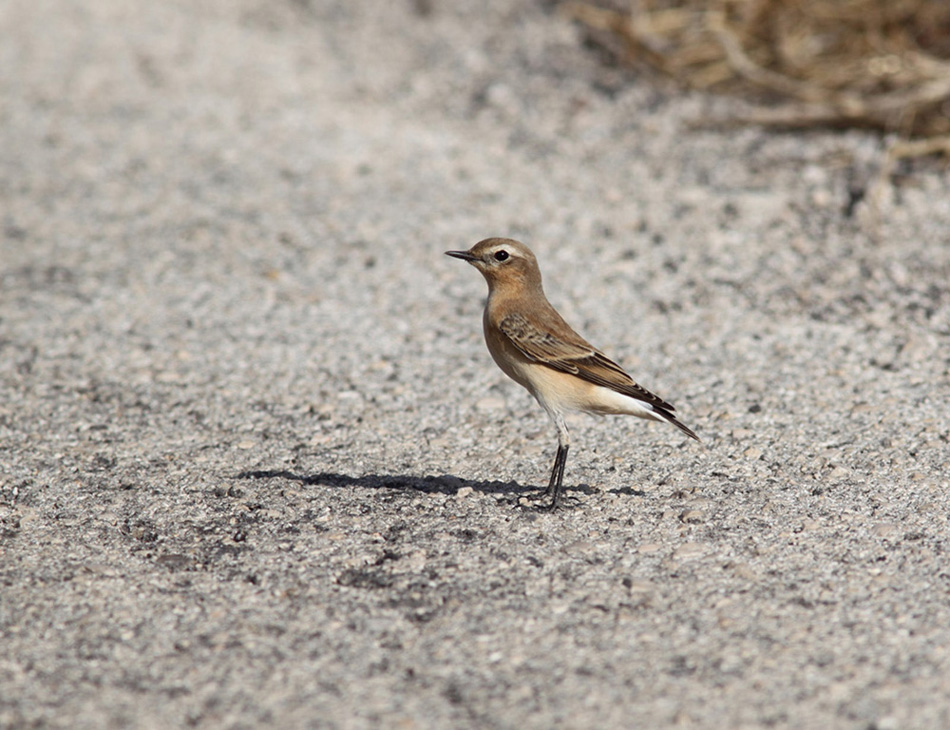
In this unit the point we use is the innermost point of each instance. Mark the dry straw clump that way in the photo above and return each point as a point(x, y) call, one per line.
point(883, 64)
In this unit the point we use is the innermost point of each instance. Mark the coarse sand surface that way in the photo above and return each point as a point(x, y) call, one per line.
point(257, 468)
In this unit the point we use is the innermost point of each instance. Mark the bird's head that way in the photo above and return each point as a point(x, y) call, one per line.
point(503, 262)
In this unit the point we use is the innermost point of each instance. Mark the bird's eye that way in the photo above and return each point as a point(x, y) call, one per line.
point(501, 255)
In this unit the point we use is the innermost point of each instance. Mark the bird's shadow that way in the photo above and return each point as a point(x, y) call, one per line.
point(629, 491)
point(444, 484)
point(430, 484)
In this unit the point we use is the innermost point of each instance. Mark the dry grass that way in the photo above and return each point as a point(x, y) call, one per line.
point(882, 64)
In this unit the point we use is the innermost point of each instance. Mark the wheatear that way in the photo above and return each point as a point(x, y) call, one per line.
point(537, 349)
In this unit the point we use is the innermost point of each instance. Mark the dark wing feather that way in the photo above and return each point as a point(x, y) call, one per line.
point(576, 357)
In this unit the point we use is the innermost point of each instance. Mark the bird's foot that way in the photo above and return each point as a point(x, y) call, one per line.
point(547, 501)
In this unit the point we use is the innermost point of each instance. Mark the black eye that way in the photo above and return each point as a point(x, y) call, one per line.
point(501, 255)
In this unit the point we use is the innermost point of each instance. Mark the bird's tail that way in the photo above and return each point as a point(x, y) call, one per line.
point(668, 415)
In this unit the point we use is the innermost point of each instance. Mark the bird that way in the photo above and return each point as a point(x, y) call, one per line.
point(535, 347)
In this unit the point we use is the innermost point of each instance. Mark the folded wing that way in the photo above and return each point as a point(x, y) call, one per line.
point(568, 352)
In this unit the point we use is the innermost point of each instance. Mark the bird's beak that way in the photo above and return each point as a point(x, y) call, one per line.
point(464, 255)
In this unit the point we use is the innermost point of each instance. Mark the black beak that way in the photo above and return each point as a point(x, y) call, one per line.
point(464, 255)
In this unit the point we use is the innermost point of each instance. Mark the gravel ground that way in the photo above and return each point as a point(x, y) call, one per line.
point(257, 468)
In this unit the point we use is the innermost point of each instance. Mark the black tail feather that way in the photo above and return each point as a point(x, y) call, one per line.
point(676, 422)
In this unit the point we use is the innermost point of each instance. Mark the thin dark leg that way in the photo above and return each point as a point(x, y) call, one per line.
point(557, 475)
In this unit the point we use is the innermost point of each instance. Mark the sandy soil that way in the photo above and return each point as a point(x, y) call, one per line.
point(257, 468)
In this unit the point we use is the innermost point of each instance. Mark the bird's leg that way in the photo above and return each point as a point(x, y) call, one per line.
point(557, 473)
point(557, 476)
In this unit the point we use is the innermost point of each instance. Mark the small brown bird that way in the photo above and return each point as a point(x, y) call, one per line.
point(537, 349)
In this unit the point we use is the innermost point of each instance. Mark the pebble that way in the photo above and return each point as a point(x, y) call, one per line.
point(490, 403)
point(887, 530)
point(839, 473)
point(640, 586)
point(691, 516)
point(689, 551)
point(744, 571)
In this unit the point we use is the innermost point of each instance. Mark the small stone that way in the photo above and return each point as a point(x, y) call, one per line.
point(691, 516)
point(689, 551)
point(247, 444)
point(821, 198)
point(464, 492)
point(638, 586)
point(490, 403)
point(744, 571)
point(174, 561)
point(416, 560)
point(919, 348)
point(887, 530)
point(839, 473)
point(100, 569)
point(649, 547)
